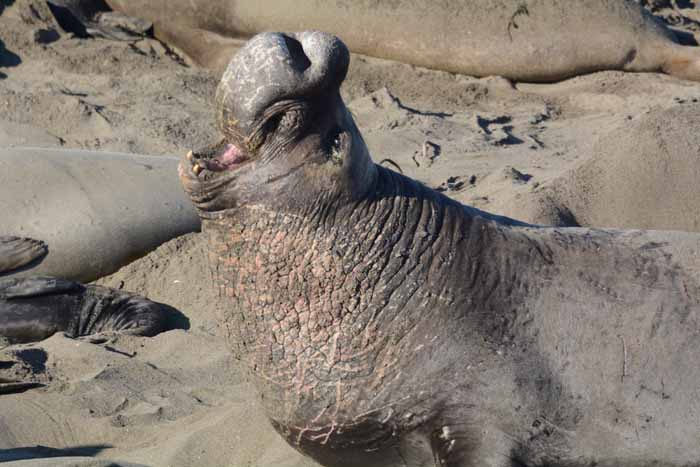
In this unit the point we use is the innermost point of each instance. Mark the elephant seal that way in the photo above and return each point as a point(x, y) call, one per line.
point(92, 18)
point(525, 40)
point(386, 324)
point(34, 308)
point(95, 211)
point(16, 252)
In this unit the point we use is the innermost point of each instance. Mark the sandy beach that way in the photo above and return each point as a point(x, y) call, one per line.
point(609, 149)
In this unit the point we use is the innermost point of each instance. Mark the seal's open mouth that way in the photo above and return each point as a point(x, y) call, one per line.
point(219, 157)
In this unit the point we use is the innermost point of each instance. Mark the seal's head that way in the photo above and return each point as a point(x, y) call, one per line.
point(288, 139)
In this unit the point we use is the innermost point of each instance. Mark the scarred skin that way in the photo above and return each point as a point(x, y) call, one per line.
point(385, 324)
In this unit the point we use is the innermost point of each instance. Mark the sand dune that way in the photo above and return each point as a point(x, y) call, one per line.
point(643, 175)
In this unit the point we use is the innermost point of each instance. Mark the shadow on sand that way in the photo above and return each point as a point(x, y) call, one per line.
point(4, 4)
point(43, 452)
point(7, 58)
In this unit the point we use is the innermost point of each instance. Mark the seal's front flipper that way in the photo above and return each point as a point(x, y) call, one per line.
point(15, 289)
point(16, 252)
point(110, 313)
point(32, 309)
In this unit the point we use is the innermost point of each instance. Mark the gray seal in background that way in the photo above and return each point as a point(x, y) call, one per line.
point(524, 40)
point(94, 211)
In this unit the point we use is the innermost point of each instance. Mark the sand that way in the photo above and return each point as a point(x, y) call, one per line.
point(608, 149)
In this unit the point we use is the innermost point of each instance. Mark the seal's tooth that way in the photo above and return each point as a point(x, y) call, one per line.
point(190, 156)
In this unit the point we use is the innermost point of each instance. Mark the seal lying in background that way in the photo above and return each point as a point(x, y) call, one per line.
point(34, 308)
point(527, 40)
point(385, 324)
point(96, 211)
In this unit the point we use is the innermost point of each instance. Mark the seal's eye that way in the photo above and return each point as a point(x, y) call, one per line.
point(272, 124)
point(286, 119)
point(291, 120)
point(285, 122)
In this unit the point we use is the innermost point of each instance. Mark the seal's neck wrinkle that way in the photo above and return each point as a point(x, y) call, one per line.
point(318, 299)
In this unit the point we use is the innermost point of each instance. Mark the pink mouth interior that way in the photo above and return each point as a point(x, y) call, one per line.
point(231, 156)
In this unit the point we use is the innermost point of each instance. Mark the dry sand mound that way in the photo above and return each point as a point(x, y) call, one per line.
point(144, 400)
point(644, 175)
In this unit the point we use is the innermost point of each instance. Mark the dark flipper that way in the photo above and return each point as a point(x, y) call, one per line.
point(35, 287)
point(14, 387)
point(93, 18)
point(35, 308)
point(16, 252)
point(109, 311)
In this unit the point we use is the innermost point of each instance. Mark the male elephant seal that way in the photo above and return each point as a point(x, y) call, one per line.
point(95, 211)
point(385, 324)
point(527, 40)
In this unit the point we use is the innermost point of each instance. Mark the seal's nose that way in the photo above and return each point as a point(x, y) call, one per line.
point(272, 67)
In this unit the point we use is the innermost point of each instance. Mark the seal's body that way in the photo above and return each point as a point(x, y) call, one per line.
point(32, 309)
point(95, 211)
point(385, 324)
point(532, 40)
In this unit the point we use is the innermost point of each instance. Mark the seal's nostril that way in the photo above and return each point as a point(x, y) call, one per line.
point(299, 59)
